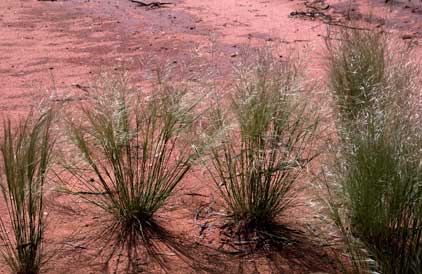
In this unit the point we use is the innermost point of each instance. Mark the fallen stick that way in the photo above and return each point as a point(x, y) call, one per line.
point(81, 87)
point(75, 245)
point(311, 14)
point(150, 5)
point(196, 194)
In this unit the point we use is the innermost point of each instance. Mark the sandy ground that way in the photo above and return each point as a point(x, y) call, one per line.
point(63, 45)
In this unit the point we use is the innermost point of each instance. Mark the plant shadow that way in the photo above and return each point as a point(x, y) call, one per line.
point(150, 248)
point(279, 249)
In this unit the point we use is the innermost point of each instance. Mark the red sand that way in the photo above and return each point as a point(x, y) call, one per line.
point(62, 44)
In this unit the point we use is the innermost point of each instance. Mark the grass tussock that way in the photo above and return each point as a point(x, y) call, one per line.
point(26, 152)
point(378, 173)
point(262, 144)
point(132, 150)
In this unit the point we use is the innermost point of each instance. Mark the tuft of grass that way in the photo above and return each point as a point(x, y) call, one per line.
point(26, 157)
point(262, 145)
point(133, 149)
point(378, 168)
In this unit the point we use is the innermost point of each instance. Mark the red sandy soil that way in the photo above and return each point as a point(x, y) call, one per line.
point(63, 45)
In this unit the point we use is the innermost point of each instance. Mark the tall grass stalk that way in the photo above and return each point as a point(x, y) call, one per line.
point(263, 144)
point(133, 149)
point(379, 168)
point(26, 157)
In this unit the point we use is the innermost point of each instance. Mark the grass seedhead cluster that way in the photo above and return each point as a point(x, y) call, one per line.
point(132, 150)
point(357, 71)
point(263, 144)
point(26, 157)
point(379, 170)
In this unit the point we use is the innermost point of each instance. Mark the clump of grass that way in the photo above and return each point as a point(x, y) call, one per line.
point(379, 169)
point(134, 149)
point(262, 145)
point(26, 157)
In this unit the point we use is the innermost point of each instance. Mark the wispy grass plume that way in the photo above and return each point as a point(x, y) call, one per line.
point(356, 70)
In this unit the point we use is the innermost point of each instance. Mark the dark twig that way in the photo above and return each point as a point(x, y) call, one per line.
point(311, 14)
point(150, 5)
point(83, 88)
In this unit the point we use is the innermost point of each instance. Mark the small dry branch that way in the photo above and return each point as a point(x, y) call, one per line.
point(150, 5)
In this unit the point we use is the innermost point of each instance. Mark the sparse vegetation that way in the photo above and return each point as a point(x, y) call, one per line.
point(26, 152)
point(130, 195)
